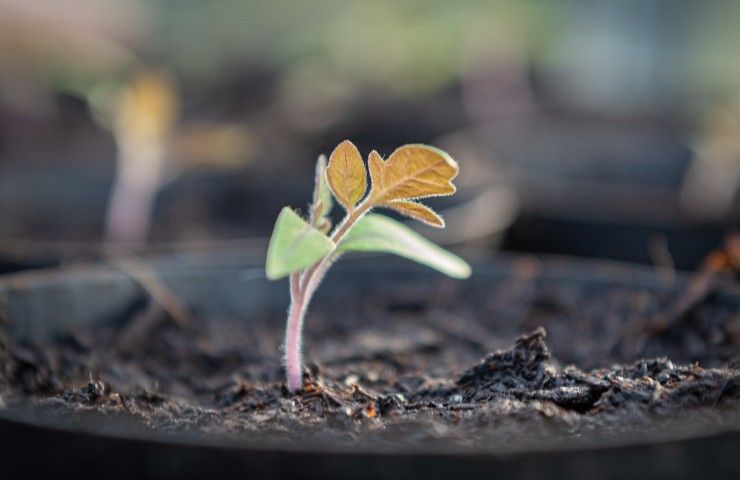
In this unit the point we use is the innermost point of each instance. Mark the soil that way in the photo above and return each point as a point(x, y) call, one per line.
point(406, 362)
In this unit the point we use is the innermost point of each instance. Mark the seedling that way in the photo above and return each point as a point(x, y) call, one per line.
point(154, 147)
point(304, 249)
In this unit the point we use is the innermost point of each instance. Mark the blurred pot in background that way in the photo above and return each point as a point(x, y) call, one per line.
point(56, 60)
point(596, 128)
point(578, 115)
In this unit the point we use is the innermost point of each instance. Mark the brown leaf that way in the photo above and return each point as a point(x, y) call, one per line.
point(411, 172)
point(346, 175)
point(416, 211)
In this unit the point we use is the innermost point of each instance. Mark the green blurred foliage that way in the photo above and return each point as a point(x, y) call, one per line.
point(412, 46)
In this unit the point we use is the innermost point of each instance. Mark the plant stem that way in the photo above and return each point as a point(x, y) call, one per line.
point(336, 237)
point(293, 334)
point(139, 173)
point(293, 356)
point(302, 288)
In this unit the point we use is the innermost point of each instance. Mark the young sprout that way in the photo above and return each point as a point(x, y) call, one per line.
point(143, 121)
point(154, 147)
point(305, 249)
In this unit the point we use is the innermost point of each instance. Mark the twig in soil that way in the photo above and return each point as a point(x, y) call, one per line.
point(149, 280)
point(698, 289)
point(717, 264)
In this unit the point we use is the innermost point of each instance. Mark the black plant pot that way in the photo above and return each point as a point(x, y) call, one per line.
point(608, 187)
point(45, 305)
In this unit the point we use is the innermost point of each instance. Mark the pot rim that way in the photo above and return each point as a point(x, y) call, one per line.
point(556, 268)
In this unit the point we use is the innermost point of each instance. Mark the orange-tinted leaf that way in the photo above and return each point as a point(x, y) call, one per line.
point(416, 211)
point(411, 172)
point(346, 174)
point(376, 166)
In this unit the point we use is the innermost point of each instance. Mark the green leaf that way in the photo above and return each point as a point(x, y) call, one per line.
point(378, 233)
point(294, 245)
point(322, 197)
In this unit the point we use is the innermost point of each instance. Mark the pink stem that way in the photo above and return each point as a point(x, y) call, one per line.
point(301, 292)
point(139, 171)
point(293, 335)
point(129, 212)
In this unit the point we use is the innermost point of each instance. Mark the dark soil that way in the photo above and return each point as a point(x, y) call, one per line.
point(407, 362)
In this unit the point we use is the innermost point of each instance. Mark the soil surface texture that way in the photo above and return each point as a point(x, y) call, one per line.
point(406, 363)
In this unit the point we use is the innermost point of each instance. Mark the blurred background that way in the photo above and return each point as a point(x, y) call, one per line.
point(592, 128)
